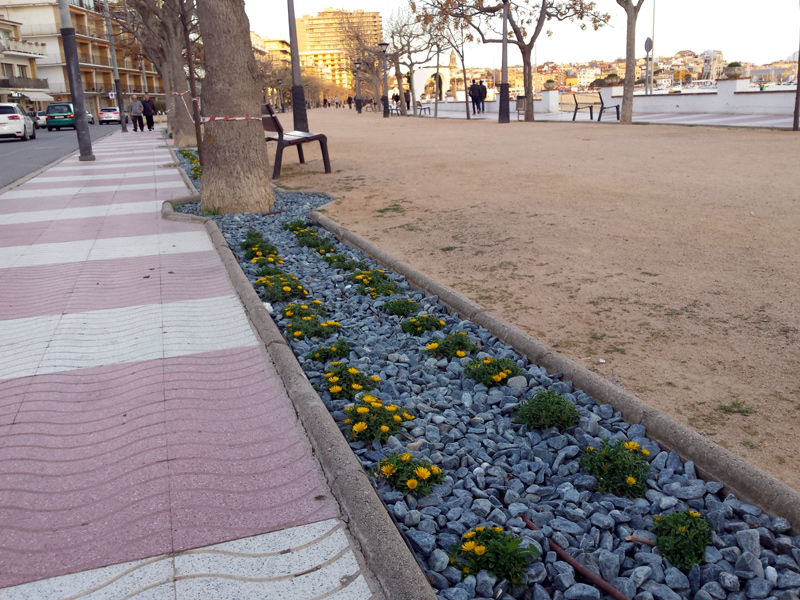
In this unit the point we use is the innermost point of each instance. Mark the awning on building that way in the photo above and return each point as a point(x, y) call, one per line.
point(38, 96)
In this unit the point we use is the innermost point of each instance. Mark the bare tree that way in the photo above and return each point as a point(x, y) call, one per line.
point(360, 46)
point(632, 11)
point(157, 25)
point(235, 177)
point(527, 19)
point(413, 43)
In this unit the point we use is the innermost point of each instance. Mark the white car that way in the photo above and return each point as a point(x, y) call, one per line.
point(41, 118)
point(109, 114)
point(15, 122)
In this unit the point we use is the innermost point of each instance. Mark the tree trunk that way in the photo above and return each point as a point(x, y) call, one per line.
point(180, 118)
point(464, 75)
point(400, 90)
point(626, 115)
point(527, 75)
point(235, 176)
point(413, 91)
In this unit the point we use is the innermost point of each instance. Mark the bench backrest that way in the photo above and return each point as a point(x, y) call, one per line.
point(270, 120)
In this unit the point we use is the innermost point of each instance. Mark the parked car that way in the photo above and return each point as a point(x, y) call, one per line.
point(90, 118)
point(109, 114)
point(14, 122)
point(60, 114)
point(40, 118)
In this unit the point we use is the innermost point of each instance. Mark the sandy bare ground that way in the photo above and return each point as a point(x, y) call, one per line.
point(671, 253)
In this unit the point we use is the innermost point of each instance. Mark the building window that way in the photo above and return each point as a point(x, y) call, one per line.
point(8, 70)
point(23, 70)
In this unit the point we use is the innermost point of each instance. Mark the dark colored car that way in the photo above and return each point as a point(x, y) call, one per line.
point(60, 114)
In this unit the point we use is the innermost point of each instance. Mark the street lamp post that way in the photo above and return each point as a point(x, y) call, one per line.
point(75, 84)
point(504, 115)
point(358, 86)
point(384, 46)
point(299, 113)
point(280, 95)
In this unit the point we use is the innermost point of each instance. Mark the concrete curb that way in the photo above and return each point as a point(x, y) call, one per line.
point(711, 460)
point(381, 544)
point(194, 193)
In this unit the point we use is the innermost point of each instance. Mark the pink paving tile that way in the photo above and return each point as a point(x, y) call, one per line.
point(106, 284)
point(70, 230)
point(14, 205)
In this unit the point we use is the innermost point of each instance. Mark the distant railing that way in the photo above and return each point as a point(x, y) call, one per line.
point(28, 47)
point(30, 83)
point(94, 59)
point(90, 32)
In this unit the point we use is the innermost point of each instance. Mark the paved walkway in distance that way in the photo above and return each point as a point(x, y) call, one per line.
point(148, 447)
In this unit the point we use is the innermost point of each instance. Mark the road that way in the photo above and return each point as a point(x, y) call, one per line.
point(18, 159)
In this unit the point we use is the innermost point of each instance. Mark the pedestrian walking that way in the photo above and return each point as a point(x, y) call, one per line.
point(483, 93)
point(136, 109)
point(336, 101)
point(148, 110)
point(475, 96)
point(407, 98)
point(350, 102)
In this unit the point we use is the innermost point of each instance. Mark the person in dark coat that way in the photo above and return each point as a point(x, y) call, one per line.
point(407, 98)
point(483, 93)
point(475, 95)
point(148, 110)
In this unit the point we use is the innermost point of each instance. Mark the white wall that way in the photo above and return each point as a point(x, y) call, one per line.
point(733, 96)
point(548, 103)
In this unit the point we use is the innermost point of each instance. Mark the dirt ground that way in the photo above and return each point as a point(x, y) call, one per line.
point(670, 253)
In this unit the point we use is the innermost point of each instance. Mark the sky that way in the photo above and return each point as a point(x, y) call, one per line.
point(741, 29)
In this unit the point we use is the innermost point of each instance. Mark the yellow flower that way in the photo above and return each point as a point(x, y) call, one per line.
point(460, 353)
point(432, 346)
point(391, 407)
point(421, 472)
point(335, 389)
point(333, 379)
point(481, 528)
point(298, 333)
point(362, 410)
point(468, 546)
point(306, 318)
point(407, 416)
point(333, 364)
point(630, 481)
point(328, 374)
point(496, 377)
point(487, 361)
point(681, 529)
point(388, 470)
point(346, 421)
point(259, 253)
point(304, 306)
point(441, 322)
point(435, 470)
point(468, 535)
point(497, 529)
point(357, 386)
point(465, 570)
point(590, 448)
point(405, 456)
point(384, 428)
point(411, 484)
point(694, 513)
point(286, 288)
point(369, 399)
point(360, 426)
point(316, 301)
point(375, 378)
point(376, 405)
point(352, 370)
point(631, 445)
point(480, 550)
point(397, 418)
point(289, 313)
point(645, 452)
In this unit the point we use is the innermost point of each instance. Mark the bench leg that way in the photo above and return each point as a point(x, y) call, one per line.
point(323, 145)
point(575, 114)
point(600, 116)
point(591, 113)
point(300, 154)
point(617, 107)
point(276, 170)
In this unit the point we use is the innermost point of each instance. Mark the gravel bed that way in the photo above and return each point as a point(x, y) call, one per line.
point(467, 430)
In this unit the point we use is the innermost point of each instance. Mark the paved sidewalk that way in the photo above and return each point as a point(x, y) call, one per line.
point(148, 447)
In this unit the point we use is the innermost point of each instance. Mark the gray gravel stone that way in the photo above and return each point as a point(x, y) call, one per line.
point(758, 588)
point(565, 526)
point(714, 589)
point(539, 593)
point(729, 581)
point(788, 579)
point(517, 383)
point(485, 583)
point(581, 591)
point(624, 585)
point(609, 564)
point(640, 575)
point(425, 542)
point(439, 560)
point(482, 507)
point(748, 541)
point(675, 579)
point(660, 591)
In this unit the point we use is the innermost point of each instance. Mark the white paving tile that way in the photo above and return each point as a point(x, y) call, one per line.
point(97, 338)
point(105, 167)
point(222, 571)
point(128, 175)
point(104, 249)
point(94, 189)
point(82, 212)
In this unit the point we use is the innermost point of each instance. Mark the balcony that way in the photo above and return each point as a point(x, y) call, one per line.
point(95, 5)
point(24, 83)
point(25, 48)
point(91, 32)
point(94, 59)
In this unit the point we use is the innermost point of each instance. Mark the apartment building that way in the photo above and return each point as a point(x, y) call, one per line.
point(40, 23)
point(19, 73)
point(323, 41)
